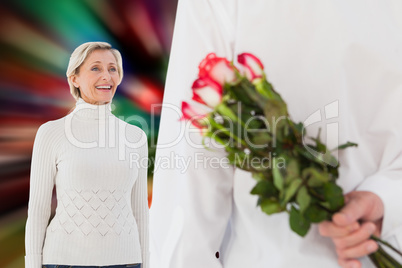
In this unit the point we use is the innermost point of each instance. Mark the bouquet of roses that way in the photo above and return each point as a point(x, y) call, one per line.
point(241, 111)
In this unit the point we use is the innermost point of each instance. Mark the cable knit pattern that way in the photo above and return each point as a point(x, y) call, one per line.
point(94, 211)
point(96, 162)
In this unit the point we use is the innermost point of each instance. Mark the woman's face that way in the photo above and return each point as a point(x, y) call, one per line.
point(98, 77)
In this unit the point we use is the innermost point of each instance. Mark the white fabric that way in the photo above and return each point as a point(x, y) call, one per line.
point(340, 58)
point(96, 162)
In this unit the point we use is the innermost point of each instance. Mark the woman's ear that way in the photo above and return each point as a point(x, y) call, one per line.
point(74, 80)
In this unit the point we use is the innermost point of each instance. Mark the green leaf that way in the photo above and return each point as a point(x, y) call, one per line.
point(299, 127)
point(223, 130)
point(276, 109)
point(252, 93)
point(301, 150)
point(346, 145)
point(239, 159)
point(292, 170)
point(298, 223)
point(319, 146)
point(264, 188)
point(238, 91)
point(262, 87)
point(248, 110)
point(258, 176)
point(323, 155)
point(279, 181)
point(328, 158)
point(325, 205)
point(334, 196)
point(232, 157)
point(303, 199)
point(222, 141)
point(270, 206)
point(251, 119)
point(291, 190)
point(267, 87)
point(315, 177)
point(224, 110)
point(316, 214)
point(260, 138)
point(259, 201)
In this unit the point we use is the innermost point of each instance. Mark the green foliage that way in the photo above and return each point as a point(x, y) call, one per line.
point(252, 122)
point(279, 180)
point(334, 196)
point(298, 223)
point(270, 206)
point(303, 199)
point(265, 189)
point(261, 138)
point(346, 145)
point(315, 177)
point(292, 190)
point(316, 214)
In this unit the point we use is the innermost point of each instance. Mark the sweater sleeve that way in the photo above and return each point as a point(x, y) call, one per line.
point(43, 170)
point(139, 201)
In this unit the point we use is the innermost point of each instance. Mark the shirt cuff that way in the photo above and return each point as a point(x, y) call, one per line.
point(388, 189)
point(33, 261)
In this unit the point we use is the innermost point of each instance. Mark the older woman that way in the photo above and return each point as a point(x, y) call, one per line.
point(94, 159)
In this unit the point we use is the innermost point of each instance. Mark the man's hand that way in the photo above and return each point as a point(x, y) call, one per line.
point(351, 228)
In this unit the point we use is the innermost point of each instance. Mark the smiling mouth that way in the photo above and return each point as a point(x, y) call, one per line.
point(104, 87)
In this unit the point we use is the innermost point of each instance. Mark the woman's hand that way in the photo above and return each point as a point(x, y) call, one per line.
point(351, 228)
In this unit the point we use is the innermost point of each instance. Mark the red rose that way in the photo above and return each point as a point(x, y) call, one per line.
point(218, 69)
point(207, 91)
point(194, 114)
point(252, 66)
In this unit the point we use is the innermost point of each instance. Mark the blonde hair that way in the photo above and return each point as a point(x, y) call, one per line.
point(80, 54)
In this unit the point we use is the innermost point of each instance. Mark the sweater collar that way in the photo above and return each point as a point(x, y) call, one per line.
point(88, 111)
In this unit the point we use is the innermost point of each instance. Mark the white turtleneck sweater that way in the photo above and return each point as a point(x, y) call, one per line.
point(99, 166)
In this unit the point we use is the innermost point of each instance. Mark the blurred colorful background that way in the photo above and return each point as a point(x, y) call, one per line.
point(36, 40)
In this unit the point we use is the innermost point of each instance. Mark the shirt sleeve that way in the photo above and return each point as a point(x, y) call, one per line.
point(386, 182)
point(140, 202)
point(192, 186)
point(43, 171)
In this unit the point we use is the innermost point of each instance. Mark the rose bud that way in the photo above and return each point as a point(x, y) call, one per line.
point(196, 115)
point(207, 91)
point(252, 66)
point(217, 69)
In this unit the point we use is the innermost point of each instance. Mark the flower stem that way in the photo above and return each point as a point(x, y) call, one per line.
point(381, 259)
point(386, 244)
point(227, 132)
point(223, 110)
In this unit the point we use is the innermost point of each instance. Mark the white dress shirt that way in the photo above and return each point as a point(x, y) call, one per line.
point(338, 65)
